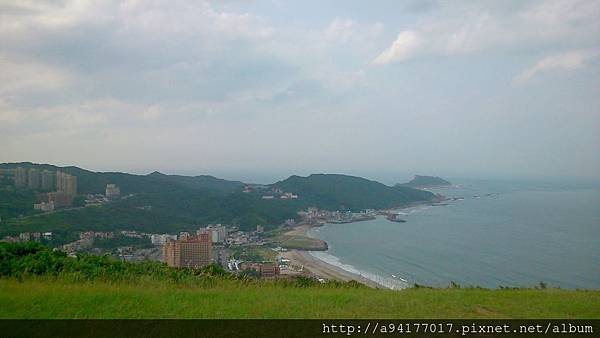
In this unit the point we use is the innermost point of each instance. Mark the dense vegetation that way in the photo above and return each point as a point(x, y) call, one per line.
point(171, 203)
point(15, 203)
point(243, 210)
point(342, 192)
point(30, 259)
point(102, 218)
point(200, 182)
point(38, 283)
point(169, 213)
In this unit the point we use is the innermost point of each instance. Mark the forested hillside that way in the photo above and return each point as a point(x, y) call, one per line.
point(170, 203)
point(338, 192)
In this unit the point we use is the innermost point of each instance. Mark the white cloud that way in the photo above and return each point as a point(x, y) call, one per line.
point(148, 76)
point(470, 27)
point(406, 45)
point(565, 61)
point(23, 16)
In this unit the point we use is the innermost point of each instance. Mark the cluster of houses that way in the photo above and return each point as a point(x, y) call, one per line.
point(28, 236)
point(218, 234)
point(269, 193)
point(317, 216)
point(111, 193)
point(262, 269)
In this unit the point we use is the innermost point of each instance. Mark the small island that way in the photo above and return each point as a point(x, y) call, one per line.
point(423, 182)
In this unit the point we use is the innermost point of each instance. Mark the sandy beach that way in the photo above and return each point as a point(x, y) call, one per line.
point(323, 269)
point(317, 267)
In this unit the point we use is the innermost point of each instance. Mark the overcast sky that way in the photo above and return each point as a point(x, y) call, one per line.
point(263, 89)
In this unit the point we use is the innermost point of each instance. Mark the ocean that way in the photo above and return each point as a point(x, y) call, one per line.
point(513, 234)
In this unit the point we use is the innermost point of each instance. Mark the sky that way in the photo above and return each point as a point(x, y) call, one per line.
point(260, 90)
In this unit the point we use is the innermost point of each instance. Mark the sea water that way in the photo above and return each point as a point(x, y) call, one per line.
point(514, 234)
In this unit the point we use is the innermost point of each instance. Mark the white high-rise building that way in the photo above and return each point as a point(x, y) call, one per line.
point(66, 183)
point(47, 180)
point(20, 177)
point(217, 232)
point(33, 179)
point(113, 192)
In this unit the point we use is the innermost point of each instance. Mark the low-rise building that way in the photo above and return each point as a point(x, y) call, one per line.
point(60, 199)
point(265, 270)
point(78, 245)
point(161, 239)
point(288, 195)
point(9, 239)
point(43, 206)
point(132, 234)
point(96, 234)
point(238, 238)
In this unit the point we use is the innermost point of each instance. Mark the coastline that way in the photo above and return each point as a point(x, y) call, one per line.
point(325, 270)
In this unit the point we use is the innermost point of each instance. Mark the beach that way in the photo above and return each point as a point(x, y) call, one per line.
point(317, 267)
point(489, 234)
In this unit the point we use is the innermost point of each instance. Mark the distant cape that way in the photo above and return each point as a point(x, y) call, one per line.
point(425, 182)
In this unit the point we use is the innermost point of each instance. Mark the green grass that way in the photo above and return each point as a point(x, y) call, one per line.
point(59, 298)
point(299, 242)
point(254, 253)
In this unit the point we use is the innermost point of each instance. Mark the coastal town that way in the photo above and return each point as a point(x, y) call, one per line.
point(265, 252)
point(278, 253)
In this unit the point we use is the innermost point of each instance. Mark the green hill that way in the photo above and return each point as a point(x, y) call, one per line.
point(169, 212)
point(39, 283)
point(200, 182)
point(341, 192)
point(170, 203)
point(89, 182)
point(14, 203)
point(425, 182)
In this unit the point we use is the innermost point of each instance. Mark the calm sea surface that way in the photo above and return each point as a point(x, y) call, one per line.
point(501, 234)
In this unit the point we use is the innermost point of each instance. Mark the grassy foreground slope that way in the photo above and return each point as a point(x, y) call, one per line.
point(61, 299)
point(36, 282)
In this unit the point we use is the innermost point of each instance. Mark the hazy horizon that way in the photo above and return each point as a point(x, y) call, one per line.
point(388, 178)
point(268, 89)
